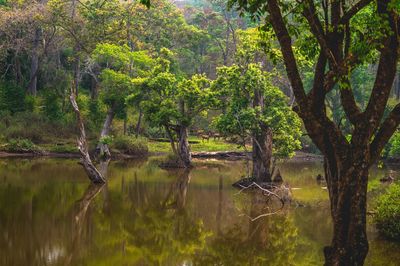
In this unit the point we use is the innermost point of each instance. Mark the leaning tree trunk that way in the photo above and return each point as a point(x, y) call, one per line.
point(102, 149)
point(94, 175)
point(347, 180)
point(185, 158)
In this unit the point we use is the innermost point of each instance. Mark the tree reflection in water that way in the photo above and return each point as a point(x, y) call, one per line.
point(269, 240)
point(157, 230)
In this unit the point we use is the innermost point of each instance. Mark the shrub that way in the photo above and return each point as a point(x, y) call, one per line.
point(387, 217)
point(12, 97)
point(392, 149)
point(21, 145)
point(107, 140)
point(131, 145)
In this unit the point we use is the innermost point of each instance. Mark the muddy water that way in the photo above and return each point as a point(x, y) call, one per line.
point(49, 215)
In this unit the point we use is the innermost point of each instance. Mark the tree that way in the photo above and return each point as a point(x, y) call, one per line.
point(346, 33)
point(259, 110)
point(113, 65)
point(172, 102)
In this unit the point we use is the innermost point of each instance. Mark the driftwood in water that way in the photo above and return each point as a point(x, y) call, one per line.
point(94, 175)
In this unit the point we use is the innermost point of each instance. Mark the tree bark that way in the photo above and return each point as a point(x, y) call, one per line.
point(183, 147)
point(102, 149)
point(348, 195)
point(262, 144)
point(262, 155)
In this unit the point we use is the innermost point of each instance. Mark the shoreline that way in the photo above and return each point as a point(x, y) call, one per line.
point(221, 155)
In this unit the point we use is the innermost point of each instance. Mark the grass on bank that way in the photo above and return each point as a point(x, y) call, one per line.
point(197, 145)
point(124, 144)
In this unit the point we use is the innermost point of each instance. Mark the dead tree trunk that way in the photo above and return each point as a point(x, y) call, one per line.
point(102, 149)
point(92, 172)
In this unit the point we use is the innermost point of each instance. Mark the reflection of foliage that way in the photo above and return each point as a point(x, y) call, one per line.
point(147, 232)
point(267, 241)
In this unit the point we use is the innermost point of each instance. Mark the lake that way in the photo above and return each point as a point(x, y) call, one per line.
point(50, 215)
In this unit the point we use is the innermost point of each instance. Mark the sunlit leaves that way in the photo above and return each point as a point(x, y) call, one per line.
point(235, 87)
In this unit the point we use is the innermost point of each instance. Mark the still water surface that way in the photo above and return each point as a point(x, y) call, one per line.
point(49, 215)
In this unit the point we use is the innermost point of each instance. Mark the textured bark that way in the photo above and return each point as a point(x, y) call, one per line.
point(348, 195)
point(94, 175)
point(102, 149)
point(262, 155)
point(346, 162)
point(183, 147)
point(262, 144)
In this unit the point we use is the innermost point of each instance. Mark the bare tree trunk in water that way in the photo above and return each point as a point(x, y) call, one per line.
point(94, 175)
point(32, 85)
point(102, 149)
point(183, 147)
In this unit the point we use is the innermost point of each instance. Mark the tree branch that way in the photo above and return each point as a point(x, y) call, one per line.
point(384, 133)
point(386, 69)
point(353, 11)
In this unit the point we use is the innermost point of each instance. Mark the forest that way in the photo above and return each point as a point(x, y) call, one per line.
point(281, 114)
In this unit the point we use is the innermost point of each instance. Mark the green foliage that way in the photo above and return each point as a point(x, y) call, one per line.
point(52, 106)
point(387, 216)
point(107, 140)
point(392, 149)
point(130, 145)
point(21, 145)
point(237, 87)
point(12, 97)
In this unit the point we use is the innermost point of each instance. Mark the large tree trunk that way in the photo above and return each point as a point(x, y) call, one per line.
point(262, 155)
point(32, 85)
point(102, 149)
point(347, 183)
point(262, 144)
point(183, 147)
